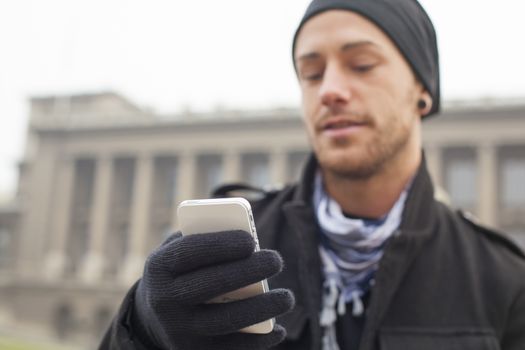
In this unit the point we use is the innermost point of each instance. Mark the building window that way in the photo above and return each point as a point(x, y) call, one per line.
point(77, 247)
point(78, 237)
point(511, 191)
point(460, 177)
point(165, 182)
point(296, 162)
point(5, 251)
point(122, 198)
point(64, 321)
point(164, 196)
point(255, 169)
point(512, 181)
point(117, 243)
point(124, 178)
point(160, 232)
point(102, 320)
point(84, 181)
point(209, 174)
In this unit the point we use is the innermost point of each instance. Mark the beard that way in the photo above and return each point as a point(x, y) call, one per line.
point(363, 159)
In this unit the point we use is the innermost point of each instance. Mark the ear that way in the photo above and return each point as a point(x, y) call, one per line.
point(424, 103)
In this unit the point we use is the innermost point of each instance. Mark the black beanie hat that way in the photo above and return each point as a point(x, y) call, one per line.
point(406, 23)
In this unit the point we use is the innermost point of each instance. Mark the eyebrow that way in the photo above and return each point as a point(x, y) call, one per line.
point(357, 44)
point(310, 56)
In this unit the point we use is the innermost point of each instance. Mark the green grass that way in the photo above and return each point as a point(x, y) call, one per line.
point(7, 343)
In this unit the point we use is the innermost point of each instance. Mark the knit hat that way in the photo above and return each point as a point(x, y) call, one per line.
point(406, 23)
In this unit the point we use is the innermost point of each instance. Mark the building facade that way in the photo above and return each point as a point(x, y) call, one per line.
point(101, 179)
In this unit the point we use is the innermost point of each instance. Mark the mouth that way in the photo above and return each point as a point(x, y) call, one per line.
point(338, 126)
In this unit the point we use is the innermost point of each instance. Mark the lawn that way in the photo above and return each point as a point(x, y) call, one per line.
point(7, 343)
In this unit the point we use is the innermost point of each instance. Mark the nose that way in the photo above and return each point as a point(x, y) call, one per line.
point(335, 89)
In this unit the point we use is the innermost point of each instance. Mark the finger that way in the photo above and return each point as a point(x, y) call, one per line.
point(226, 318)
point(201, 285)
point(186, 253)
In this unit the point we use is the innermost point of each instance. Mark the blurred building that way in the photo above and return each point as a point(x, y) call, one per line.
point(101, 179)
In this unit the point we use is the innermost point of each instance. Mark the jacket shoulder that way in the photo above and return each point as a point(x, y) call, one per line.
point(498, 237)
point(259, 197)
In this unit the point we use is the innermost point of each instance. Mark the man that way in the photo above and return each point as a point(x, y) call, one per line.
point(374, 262)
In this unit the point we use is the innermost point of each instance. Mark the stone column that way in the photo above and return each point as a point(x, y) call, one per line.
point(56, 256)
point(93, 265)
point(487, 185)
point(140, 218)
point(278, 166)
point(186, 182)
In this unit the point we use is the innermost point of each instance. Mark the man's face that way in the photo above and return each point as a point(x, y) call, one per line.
point(359, 95)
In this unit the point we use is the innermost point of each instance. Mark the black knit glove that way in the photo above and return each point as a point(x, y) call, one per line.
point(170, 309)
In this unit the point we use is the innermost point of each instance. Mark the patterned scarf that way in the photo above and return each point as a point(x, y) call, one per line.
point(350, 251)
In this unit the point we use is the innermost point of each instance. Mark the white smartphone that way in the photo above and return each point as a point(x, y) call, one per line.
point(222, 214)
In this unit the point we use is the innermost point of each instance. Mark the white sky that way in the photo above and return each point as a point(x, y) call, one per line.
point(170, 54)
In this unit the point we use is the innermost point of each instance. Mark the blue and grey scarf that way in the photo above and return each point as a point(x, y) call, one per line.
point(350, 251)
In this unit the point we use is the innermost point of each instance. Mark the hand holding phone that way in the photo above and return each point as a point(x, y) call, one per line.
point(225, 214)
point(171, 303)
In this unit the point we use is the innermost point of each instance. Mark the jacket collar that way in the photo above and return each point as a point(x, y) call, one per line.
point(303, 194)
point(417, 225)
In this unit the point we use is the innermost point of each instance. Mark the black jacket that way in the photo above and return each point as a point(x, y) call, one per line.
point(444, 282)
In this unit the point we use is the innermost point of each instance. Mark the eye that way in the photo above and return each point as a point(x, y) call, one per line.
point(311, 71)
point(313, 77)
point(363, 68)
